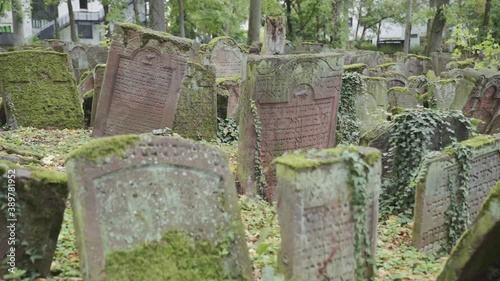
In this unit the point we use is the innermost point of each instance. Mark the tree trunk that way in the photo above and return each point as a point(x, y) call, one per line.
point(408, 29)
point(157, 15)
point(436, 33)
point(486, 18)
point(57, 34)
point(137, 17)
point(72, 23)
point(337, 24)
point(18, 22)
point(254, 21)
point(432, 4)
point(359, 19)
point(182, 30)
point(288, 5)
point(378, 32)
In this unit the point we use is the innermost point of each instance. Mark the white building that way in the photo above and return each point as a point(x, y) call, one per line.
point(89, 18)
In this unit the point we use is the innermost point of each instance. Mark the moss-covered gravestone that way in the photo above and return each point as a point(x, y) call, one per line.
point(196, 114)
point(441, 192)
point(371, 105)
point(39, 91)
point(31, 215)
point(450, 93)
point(402, 97)
point(228, 96)
point(142, 81)
point(475, 257)
point(225, 55)
point(288, 102)
point(155, 208)
point(328, 213)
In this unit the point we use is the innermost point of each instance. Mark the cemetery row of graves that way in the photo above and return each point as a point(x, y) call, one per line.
point(340, 142)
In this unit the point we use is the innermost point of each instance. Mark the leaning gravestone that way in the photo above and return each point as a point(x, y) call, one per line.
point(196, 114)
point(155, 208)
point(288, 102)
point(274, 35)
point(98, 80)
point(31, 221)
point(142, 82)
point(371, 105)
point(39, 91)
point(328, 226)
point(475, 257)
point(433, 195)
point(226, 56)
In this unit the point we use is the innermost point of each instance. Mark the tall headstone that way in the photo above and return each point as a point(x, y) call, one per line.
point(475, 256)
point(226, 56)
point(39, 91)
point(274, 35)
point(371, 105)
point(196, 114)
point(98, 80)
point(288, 102)
point(155, 208)
point(31, 216)
point(327, 225)
point(142, 82)
point(433, 195)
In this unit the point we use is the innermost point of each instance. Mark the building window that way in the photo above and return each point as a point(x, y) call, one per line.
point(83, 4)
point(6, 28)
point(350, 22)
point(413, 35)
point(85, 31)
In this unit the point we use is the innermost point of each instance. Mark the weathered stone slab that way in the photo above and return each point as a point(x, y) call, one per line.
point(450, 93)
point(196, 114)
point(39, 199)
point(372, 104)
point(79, 59)
point(39, 90)
point(319, 228)
point(433, 195)
point(226, 56)
point(86, 83)
point(439, 62)
point(395, 79)
point(413, 65)
point(288, 102)
point(97, 55)
point(475, 257)
point(142, 81)
point(154, 208)
point(228, 97)
point(98, 80)
point(402, 97)
point(274, 35)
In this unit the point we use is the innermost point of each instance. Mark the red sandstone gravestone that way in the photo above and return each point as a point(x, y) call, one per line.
point(142, 81)
point(484, 102)
point(288, 102)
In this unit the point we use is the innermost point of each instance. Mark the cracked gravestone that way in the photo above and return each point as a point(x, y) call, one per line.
point(155, 208)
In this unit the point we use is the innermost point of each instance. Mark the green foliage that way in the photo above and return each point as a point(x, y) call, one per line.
point(258, 167)
point(411, 136)
point(347, 123)
point(457, 215)
point(468, 44)
point(227, 130)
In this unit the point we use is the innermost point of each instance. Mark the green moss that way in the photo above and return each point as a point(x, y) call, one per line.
point(400, 90)
point(221, 80)
point(446, 81)
point(102, 148)
point(178, 256)
point(465, 63)
point(357, 67)
point(228, 40)
point(430, 75)
point(419, 57)
point(385, 65)
point(48, 176)
point(397, 110)
point(149, 34)
point(12, 149)
point(373, 78)
point(88, 95)
point(40, 89)
point(423, 98)
point(479, 141)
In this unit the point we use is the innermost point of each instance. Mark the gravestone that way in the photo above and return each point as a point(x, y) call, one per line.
point(402, 97)
point(39, 91)
point(274, 35)
point(226, 56)
point(98, 80)
point(450, 93)
point(228, 97)
point(439, 62)
point(79, 59)
point(395, 79)
point(196, 114)
point(418, 84)
point(371, 104)
point(288, 102)
point(319, 230)
point(433, 196)
point(86, 83)
point(156, 208)
point(97, 55)
point(29, 233)
point(142, 81)
point(475, 256)
point(413, 65)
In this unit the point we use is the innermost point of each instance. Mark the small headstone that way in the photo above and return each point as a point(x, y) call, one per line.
point(98, 80)
point(371, 105)
point(274, 35)
point(396, 79)
point(196, 114)
point(288, 102)
point(142, 81)
point(439, 62)
point(413, 65)
point(79, 59)
point(39, 90)
point(31, 221)
point(322, 238)
point(475, 257)
point(154, 208)
point(402, 97)
point(433, 196)
point(226, 56)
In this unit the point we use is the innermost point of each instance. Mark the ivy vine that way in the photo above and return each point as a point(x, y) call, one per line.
point(411, 138)
point(347, 122)
point(258, 167)
point(457, 215)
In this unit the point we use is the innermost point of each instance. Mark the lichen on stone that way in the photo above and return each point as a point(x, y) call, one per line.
point(105, 147)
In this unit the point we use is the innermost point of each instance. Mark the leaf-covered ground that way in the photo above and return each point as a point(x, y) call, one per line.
point(396, 259)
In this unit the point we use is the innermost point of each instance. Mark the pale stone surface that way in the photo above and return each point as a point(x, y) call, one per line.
point(274, 35)
point(433, 196)
point(372, 104)
point(315, 214)
point(98, 80)
point(226, 56)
